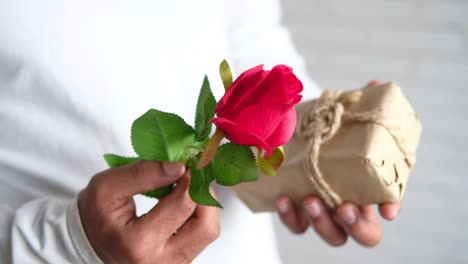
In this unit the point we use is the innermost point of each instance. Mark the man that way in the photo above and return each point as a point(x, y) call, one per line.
point(74, 75)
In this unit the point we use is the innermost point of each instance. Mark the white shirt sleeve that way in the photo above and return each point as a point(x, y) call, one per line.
point(39, 219)
point(45, 230)
point(255, 35)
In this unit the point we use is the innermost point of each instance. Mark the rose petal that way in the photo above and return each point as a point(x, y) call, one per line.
point(272, 88)
point(242, 87)
point(283, 84)
point(238, 135)
point(284, 130)
point(295, 87)
point(296, 99)
point(261, 119)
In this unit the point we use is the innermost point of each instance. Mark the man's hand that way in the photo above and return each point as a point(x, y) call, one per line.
point(176, 230)
point(361, 223)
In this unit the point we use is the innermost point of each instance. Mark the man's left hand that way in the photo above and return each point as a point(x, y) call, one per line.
point(334, 226)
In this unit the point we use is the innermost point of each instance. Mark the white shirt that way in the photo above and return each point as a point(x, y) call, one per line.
point(73, 77)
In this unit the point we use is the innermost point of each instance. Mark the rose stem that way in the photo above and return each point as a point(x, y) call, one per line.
point(210, 149)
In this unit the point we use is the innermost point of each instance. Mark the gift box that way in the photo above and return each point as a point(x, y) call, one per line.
point(356, 146)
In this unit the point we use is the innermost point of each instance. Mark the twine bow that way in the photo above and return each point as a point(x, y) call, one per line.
point(322, 120)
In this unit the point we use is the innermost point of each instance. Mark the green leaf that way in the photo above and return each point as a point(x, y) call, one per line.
point(159, 193)
point(205, 111)
point(161, 136)
point(266, 167)
point(277, 157)
point(117, 161)
point(234, 164)
point(226, 74)
point(270, 164)
point(199, 189)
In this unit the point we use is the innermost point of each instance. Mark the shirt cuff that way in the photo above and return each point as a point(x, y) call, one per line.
point(81, 243)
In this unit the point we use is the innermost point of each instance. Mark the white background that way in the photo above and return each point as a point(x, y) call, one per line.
point(422, 45)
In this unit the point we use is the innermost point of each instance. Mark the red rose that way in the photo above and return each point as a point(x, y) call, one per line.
point(258, 109)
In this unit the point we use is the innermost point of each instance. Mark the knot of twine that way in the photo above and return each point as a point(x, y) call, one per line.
point(322, 120)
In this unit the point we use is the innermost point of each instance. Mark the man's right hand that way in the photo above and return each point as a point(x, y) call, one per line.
point(176, 230)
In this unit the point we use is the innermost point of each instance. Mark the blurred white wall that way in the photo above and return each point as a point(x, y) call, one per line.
point(422, 45)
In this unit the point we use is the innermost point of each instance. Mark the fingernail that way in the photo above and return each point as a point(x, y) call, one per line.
point(313, 209)
point(349, 217)
point(173, 168)
point(283, 206)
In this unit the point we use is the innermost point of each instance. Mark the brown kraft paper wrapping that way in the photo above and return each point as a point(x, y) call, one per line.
point(365, 151)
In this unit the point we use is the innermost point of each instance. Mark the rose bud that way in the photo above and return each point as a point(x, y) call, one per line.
point(258, 109)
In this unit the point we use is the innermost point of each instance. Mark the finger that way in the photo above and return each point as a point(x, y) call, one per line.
point(137, 177)
point(173, 168)
point(290, 216)
point(389, 211)
point(375, 83)
point(169, 214)
point(202, 228)
point(323, 223)
point(360, 223)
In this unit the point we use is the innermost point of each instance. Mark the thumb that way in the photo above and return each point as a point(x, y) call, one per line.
point(138, 177)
